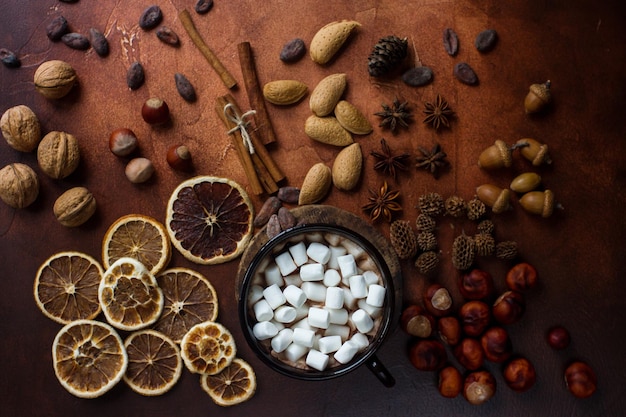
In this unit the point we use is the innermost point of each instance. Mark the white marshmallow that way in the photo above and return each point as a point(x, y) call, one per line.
point(338, 315)
point(331, 278)
point(302, 323)
point(302, 312)
point(338, 330)
point(353, 248)
point(367, 264)
point(358, 288)
point(319, 317)
point(348, 299)
point(317, 360)
point(294, 296)
point(362, 321)
point(263, 311)
point(375, 295)
point(293, 279)
point(303, 337)
point(264, 330)
point(347, 265)
point(312, 272)
point(335, 252)
point(371, 277)
point(274, 296)
point(360, 340)
point(282, 340)
point(334, 297)
point(374, 312)
point(273, 276)
point(346, 352)
point(295, 352)
point(329, 344)
point(314, 291)
point(285, 263)
point(255, 293)
point(298, 253)
point(318, 252)
point(285, 314)
point(333, 239)
point(315, 237)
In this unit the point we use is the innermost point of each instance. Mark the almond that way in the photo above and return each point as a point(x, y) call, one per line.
point(346, 170)
point(327, 130)
point(316, 184)
point(352, 119)
point(329, 39)
point(327, 93)
point(284, 92)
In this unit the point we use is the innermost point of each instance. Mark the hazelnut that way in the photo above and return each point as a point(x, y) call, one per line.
point(450, 382)
point(417, 322)
point(476, 285)
point(427, 355)
point(519, 374)
point(558, 337)
point(155, 111)
point(474, 317)
point(509, 307)
point(580, 379)
point(21, 129)
point(19, 185)
point(470, 354)
point(449, 330)
point(179, 158)
point(122, 141)
point(54, 79)
point(139, 170)
point(521, 277)
point(479, 387)
point(74, 207)
point(496, 344)
point(437, 300)
point(58, 154)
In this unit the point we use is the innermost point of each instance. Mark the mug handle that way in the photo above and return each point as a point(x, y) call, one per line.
point(380, 371)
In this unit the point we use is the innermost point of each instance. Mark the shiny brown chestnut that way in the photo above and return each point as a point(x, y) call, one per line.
point(122, 141)
point(479, 387)
point(470, 354)
point(519, 374)
point(437, 300)
point(449, 330)
point(474, 316)
point(179, 158)
point(155, 111)
point(476, 285)
point(417, 322)
point(496, 344)
point(428, 355)
point(558, 337)
point(509, 307)
point(450, 382)
point(521, 277)
point(580, 379)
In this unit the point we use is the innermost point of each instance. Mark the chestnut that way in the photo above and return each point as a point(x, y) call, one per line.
point(449, 330)
point(580, 379)
point(496, 344)
point(521, 277)
point(476, 285)
point(417, 322)
point(558, 337)
point(470, 354)
point(139, 170)
point(509, 307)
point(122, 141)
point(450, 382)
point(474, 316)
point(179, 158)
point(155, 111)
point(519, 374)
point(428, 355)
point(479, 387)
point(437, 300)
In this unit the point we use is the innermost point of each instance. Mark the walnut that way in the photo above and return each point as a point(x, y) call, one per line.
point(58, 154)
point(74, 207)
point(20, 127)
point(19, 185)
point(54, 79)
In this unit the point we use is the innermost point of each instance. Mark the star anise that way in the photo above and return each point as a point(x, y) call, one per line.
point(382, 203)
point(432, 160)
point(437, 114)
point(387, 162)
point(396, 115)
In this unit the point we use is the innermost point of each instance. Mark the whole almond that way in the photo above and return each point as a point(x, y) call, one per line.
point(284, 92)
point(74, 207)
point(352, 119)
point(316, 184)
point(327, 93)
point(327, 130)
point(347, 167)
point(329, 39)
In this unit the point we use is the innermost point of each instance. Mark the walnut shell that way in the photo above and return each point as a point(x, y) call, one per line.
point(54, 79)
point(74, 207)
point(21, 129)
point(19, 185)
point(58, 154)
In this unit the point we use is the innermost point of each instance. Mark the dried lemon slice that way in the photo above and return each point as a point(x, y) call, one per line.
point(140, 237)
point(189, 299)
point(66, 287)
point(208, 348)
point(154, 362)
point(88, 358)
point(129, 295)
point(209, 219)
point(235, 384)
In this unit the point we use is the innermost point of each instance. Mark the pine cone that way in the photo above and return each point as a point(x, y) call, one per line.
point(484, 244)
point(425, 223)
point(463, 252)
point(427, 262)
point(431, 204)
point(387, 53)
point(403, 239)
point(475, 209)
point(486, 226)
point(455, 206)
point(426, 241)
point(506, 250)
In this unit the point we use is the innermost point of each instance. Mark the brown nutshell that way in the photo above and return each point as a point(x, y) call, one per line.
point(20, 128)
point(74, 207)
point(58, 154)
point(54, 79)
point(19, 185)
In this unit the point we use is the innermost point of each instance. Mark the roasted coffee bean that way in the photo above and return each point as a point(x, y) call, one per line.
point(486, 40)
point(269, 207)
point(75, 41)
point(464, 73)
point(418, 76)
point(203, 6)
point(9, 59)
point(185, 88)
point(135, 76)
point(151, 17)
point(273, 226)
point(57, 28)
point(167, 36)
point(450, 41)
point(293, 50)
point(289, 195)
point(286, 219)
point(99, 42)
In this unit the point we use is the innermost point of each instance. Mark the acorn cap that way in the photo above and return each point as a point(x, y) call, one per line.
point(542, 156)
point(542, 91)
point(502, 202)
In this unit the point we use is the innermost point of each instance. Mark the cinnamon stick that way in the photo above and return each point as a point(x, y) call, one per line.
point(227, 78)
point(255, 93)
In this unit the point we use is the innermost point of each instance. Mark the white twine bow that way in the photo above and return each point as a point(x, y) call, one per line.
point(240, 124)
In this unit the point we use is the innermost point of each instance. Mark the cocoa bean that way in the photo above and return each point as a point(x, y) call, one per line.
point(486, 40)
point(57, 28)
point(185, 88)
point(289, 195)
point(135, 76)
point(450, 41)
point(286, 219)
point(99, 42)
point(293, 50)
point(269, 207)
point(75, 41)
point(464, 73)
point(418, 76)
point(151, 17)
point(9, 59)
point(203, 6)
point(168, 36)
point(273, 226)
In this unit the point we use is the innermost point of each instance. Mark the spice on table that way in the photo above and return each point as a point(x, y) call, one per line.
point(455, 206)
point(398, 114)
point(388, 53)
point(382, 203)
point(438, 113)
point(475, 208)
point(433, 161)
point(403, 239)
point(431, 204)
point(167, 36)
point(389, 163)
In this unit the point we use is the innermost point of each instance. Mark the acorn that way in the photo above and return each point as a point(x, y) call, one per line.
point(538, 97)
point(538, 202)
point(495, 197)
point(533, 150)
point(497, 155)
point(525, 182)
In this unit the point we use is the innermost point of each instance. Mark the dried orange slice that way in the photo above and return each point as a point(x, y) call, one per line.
point(66, 287)
point(154, 362)
point(140, 237)
point(129, 295)
point(234, 385)
point(209, 219)
point(88, 358)
point(189, 299)
point(208, 348)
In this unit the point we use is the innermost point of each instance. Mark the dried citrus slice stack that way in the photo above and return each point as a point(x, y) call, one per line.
point(129, 295)
point(189, 299)
point(140, 237)
point(209, 219)
point(154, 362)
point(235, 384)
point(88, 358)
point(208, 348)
point(66, 287)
